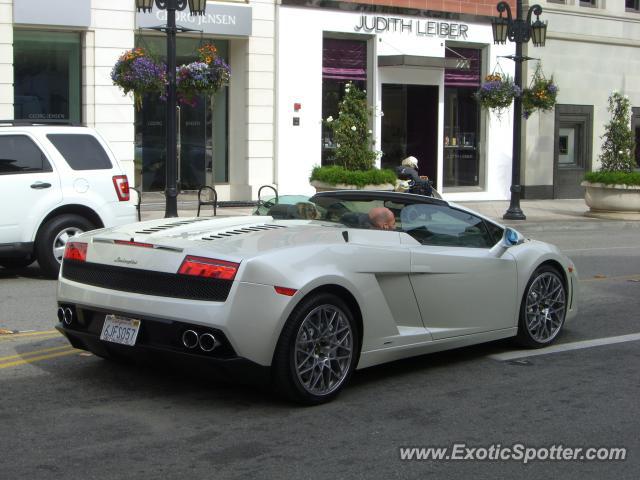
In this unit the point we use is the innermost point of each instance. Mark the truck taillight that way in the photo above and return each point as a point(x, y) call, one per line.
point(208, 268)
point(121, 185)
point(76, 251)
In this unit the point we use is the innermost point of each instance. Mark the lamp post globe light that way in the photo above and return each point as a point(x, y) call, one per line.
point(519, 31)
point(196, 7)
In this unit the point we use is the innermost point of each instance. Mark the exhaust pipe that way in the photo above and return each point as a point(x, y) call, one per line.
point(61, 315)
point(68, 316)
point(190, 339)
point(208, 342)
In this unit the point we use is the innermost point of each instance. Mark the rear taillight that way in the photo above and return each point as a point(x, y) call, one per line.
point(208, 268)
point(121, 185)
point(76, 251)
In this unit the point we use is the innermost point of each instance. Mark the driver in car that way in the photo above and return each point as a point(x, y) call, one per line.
point(382, 218)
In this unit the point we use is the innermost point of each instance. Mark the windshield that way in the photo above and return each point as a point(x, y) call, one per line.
point(432, 222)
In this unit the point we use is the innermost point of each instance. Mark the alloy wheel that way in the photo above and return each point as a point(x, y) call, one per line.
point(323, 350)
point(545, 307)
point(60, 242)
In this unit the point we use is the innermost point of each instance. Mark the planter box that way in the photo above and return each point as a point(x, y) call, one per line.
point(327, 187)
point(601, 197)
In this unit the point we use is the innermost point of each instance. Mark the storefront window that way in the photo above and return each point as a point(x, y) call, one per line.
point(343, 61)
point(47, 76)
point(462, 121)
point(203, 129)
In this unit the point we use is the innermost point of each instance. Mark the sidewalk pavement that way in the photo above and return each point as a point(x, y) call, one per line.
point(541, 214)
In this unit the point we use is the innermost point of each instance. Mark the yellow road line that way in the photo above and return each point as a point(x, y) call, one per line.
point(37, 359)
point(34, 352)
point(53, 333)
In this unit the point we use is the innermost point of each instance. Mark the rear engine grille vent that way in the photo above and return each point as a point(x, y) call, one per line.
point(240, 231)
point(167, 226)
point(146, 282)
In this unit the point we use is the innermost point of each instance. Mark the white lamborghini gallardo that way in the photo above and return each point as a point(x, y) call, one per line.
point(306, 294)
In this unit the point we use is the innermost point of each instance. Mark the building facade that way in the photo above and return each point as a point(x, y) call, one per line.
point(592, 49)
point(55, 64)
point(419, 62)
point(420, 69)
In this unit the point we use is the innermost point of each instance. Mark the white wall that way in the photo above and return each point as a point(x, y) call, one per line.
point(105, 106)
point(6, 59)
point(299, 79)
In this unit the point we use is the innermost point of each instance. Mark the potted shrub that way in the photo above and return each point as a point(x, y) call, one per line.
point(615, 187)
point(353, 158)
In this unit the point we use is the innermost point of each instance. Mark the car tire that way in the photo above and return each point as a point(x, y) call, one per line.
point(18, 262)
point(312, 366)
point(52, 238)
point(543, 308)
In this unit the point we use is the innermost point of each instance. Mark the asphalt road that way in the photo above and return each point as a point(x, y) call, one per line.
point(67, 414)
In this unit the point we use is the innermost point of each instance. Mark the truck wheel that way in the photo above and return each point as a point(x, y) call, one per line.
point(53, 237)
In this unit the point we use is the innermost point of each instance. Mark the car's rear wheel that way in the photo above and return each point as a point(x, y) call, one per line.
point(317, 350)
point(543, 309)
point(19, 262)
point(53, 238)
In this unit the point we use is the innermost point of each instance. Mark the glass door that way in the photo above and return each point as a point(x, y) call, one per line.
point(202, 131)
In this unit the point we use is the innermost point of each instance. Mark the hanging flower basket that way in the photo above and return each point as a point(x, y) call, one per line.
point(135, 71)
point(541, 95)
point(497, 93)
point(203, 77)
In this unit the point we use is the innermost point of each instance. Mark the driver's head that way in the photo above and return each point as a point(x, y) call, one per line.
point(382, 218)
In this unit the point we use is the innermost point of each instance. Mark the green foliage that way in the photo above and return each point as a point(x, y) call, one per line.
point(497, 93)
point(614, 178)
point(541, 95)
point(336, 174)
point(619, 142)
point(351, 133)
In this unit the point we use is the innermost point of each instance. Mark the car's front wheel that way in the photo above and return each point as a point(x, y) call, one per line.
point(317, 350)
point(543, 308)
point(52, 240)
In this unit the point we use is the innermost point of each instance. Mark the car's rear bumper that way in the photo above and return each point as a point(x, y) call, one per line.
point(160, 340)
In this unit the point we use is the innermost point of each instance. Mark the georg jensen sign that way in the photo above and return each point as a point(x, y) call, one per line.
point(218, 19)
point(420, 28)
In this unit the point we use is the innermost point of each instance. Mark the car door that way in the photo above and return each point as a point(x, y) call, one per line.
point(29, 187)
point(461, 286)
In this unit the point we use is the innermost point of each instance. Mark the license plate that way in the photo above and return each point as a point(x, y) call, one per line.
point(120, 330)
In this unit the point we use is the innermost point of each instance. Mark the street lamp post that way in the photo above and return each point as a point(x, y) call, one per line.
point(196, 7)
point(519, 31)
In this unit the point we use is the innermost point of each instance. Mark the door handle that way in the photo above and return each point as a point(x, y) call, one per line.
point(40, 185)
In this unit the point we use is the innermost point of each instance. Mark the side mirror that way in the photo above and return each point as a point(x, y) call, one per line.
point(511, 238)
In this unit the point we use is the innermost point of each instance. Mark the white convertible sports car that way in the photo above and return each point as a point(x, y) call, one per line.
point(304, 295)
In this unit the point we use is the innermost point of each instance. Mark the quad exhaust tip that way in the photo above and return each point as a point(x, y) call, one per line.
point(65, 315)
point(190, 339)
point(207, 342)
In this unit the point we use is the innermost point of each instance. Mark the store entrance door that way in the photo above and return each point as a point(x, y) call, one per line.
point(410, 126)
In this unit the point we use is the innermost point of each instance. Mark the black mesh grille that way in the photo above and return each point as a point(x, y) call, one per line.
point(146, 282)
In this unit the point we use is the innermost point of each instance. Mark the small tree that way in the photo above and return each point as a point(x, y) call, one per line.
point(619, 144)
point(351, 133)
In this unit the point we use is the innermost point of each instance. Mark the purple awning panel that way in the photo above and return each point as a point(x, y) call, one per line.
point(344, 59)
point(463, 78)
